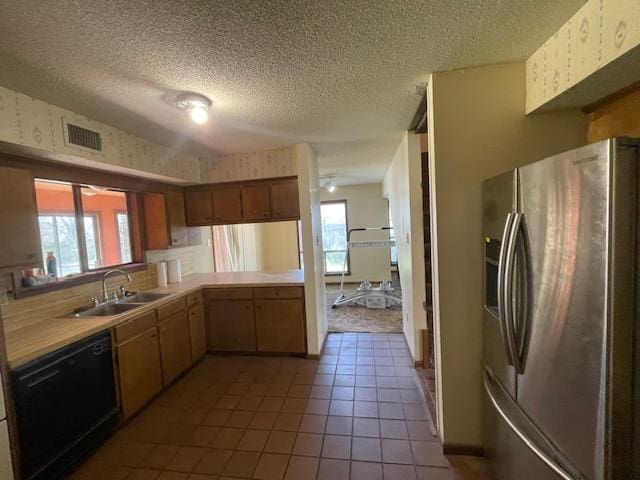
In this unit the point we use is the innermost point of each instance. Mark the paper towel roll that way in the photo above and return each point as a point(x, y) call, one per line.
point(161, 274)
point(173, 270)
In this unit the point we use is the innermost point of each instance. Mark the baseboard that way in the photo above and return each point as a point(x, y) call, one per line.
point(469, 450)
point(316, 356)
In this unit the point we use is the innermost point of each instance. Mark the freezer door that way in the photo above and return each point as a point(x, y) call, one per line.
point(516, 448)
point(565, 205)
point(498, 197)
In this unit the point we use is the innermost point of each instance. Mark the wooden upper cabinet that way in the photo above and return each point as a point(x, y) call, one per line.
point(156, 229)
point(199, 207)
point(177, 221)
point(19, 232)
point(165, 224)
point(227, 206)
point(242, 202)
point(285, 203)
point(255, 202)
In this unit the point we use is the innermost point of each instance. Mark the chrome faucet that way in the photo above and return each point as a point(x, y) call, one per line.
point(105, 294)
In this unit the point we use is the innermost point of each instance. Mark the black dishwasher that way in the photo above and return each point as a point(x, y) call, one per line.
point(65, 405)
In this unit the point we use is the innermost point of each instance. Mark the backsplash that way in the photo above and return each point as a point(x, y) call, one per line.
point(19, 313)
point(249, 166)
point(33, 123)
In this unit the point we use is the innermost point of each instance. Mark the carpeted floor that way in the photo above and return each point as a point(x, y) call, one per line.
point(361, 319)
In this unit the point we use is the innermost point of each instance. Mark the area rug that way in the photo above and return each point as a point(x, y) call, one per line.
point(361, 319)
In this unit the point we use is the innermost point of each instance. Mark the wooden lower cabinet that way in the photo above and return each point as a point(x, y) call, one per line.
point(197, 331)
point(175, 345)
point(280, 326)
point(266, 319)
point(231, 325)
point(139, 371)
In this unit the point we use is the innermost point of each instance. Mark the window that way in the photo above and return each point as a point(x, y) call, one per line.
point(334, 237)
point(123, 237)
point(393, 248)
point(82, 228)
point(107, 239)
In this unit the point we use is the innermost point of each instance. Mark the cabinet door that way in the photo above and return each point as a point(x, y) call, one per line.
point(280, 326)
point(197, 331)
point(177, 221)
point(139, 371)
point(175, 346)
point(198, 207)
point(19, 233)
point(155, 221)
point(255, 202)
point(227, 207)
point(284, 199)
point(231, 325)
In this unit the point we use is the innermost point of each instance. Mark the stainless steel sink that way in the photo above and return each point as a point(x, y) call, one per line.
point(107, 310)
point(121, 306)
point(143, 298)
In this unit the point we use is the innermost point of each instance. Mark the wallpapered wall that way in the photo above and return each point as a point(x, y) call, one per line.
point(246, 166)
point(29, 122)
point(599, 33)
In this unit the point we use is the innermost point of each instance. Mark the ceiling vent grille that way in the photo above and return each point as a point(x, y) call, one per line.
point(83, 138)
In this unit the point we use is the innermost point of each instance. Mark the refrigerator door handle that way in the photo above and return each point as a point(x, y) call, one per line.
point(508, 299)
point(559, 464)
point(502, 261)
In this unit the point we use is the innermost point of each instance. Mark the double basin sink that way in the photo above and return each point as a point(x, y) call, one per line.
point(120, 306)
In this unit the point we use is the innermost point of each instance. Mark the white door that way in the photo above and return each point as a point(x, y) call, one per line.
point(6, 471)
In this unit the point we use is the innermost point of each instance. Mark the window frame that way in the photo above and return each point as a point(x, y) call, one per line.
point(346, 226)
point(392, 237)
point(79, 215)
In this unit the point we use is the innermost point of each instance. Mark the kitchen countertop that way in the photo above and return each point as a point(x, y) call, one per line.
point(29, 343)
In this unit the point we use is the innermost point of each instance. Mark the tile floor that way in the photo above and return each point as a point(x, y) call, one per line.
point(354, 414)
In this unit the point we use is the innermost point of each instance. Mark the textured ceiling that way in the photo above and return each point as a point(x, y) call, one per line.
point(338, 74)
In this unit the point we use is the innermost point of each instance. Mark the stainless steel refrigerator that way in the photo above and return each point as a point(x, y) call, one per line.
point(560, 316)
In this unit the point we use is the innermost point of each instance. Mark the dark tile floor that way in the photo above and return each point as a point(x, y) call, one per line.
point(354, 414)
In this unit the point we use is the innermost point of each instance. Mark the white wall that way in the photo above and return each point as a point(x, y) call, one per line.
point(194, 259)
point(315, 301)
point(477, 129)
point(366, 207)
point(402, 187)
point(278, 245)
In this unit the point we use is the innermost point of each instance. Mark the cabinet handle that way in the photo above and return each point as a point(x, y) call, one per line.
point(153, 335)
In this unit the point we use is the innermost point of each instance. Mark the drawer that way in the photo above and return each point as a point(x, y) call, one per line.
point(277, 292)
point(135, 326)
point(193, 298)
point(228, 293)
point(171, 308)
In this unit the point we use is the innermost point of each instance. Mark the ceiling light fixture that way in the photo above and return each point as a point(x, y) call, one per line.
point(328, 183)
point(196, 105)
